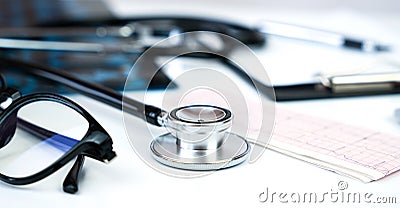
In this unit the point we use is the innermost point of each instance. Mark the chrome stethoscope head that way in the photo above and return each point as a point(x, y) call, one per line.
point(199, 139)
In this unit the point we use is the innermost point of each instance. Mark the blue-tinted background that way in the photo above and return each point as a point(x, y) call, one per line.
point(106, 69)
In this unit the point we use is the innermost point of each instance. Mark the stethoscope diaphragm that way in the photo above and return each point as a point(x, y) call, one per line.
point(199, 139)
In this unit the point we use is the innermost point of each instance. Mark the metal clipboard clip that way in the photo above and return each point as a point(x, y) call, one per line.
point(362, 82)
point(343, 85)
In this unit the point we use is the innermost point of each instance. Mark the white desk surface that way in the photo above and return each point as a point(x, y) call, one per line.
point(129, 182)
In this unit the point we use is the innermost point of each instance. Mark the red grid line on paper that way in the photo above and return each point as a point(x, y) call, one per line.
point(374, 150)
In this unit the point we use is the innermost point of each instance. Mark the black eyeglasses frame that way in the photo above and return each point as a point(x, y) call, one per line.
point(96, 143)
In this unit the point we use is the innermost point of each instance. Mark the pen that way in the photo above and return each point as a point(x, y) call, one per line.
point(69, 46)
point(124, 31)
point(319, 36)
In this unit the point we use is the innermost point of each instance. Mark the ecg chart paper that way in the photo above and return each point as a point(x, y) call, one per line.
point(353, 151)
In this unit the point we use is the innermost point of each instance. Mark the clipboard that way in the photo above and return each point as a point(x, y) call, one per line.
point(341, 86)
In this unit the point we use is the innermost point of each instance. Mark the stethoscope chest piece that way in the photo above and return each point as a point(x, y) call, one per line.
point(199, 139)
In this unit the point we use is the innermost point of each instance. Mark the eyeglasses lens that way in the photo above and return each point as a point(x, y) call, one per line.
point(44, 132)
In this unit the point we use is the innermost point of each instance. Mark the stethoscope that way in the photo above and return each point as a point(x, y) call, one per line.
point(199, 136)
point(199, 139)
point(146, 30)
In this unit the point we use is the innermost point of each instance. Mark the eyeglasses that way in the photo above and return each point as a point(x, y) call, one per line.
point(41, 132)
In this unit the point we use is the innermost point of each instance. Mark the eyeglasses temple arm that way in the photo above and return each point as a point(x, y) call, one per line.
point(58, 141)
point(61, 142)
point(71, 181)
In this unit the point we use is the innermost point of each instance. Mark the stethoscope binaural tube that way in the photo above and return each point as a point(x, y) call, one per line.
point(198, 138)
